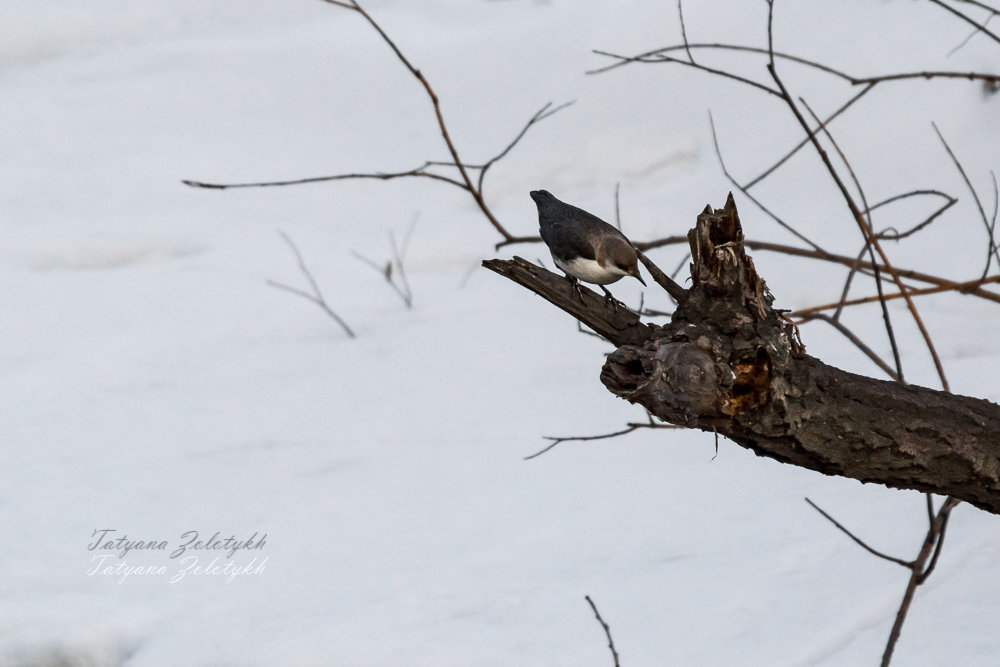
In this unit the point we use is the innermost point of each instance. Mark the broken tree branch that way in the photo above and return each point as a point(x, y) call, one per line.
point(729, 363)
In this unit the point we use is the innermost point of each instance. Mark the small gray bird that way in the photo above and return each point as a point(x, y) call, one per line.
point(584, 246)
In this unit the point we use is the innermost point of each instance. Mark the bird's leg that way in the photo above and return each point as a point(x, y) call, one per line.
point(575, 287)
point(608, 299)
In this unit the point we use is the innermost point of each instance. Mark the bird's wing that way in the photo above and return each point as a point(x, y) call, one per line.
point(592, 226)
point(566, 241)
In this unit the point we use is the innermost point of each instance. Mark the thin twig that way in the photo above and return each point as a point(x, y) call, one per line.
point(858, 540)
point(869, 242)
point(844, 260)
point(858, 343)
point(631, 426)
point(968, 19)
point(316, 296)
point(944, 513)
point(979, 204)
point(657, 56)
point(680, 12)
point(767, 172)
point(703, 68)
point(419, 172)
point(972, 34)
point(898, 236)
point(981, 5)
point(920, 570)
point(607, 630)
point(539, 116)
point(395, 265)
point(964, 287)
point(855, 269)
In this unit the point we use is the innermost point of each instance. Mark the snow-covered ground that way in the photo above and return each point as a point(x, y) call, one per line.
point(154, 384)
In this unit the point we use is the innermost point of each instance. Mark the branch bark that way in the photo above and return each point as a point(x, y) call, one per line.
point(729, 362)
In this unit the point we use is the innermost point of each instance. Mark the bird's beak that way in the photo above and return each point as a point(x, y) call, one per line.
point(636, 274)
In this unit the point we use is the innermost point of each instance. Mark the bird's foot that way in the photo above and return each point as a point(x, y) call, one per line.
point(609, 300)
point(575, 288)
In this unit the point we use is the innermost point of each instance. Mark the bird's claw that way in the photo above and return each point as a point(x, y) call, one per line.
point(609, 300)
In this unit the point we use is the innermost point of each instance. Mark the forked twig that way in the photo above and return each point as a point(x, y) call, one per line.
point(920, 568)
point(990, 227)
point(629, 427)
point(316, 296)
point(395, 266)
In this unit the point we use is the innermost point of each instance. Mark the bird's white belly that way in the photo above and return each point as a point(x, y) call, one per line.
point(589, 271)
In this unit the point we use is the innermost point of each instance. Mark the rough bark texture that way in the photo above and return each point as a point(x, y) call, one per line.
point(728, 362)
point(620, 326)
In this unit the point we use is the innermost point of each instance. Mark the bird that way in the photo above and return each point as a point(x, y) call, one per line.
point(583, 246)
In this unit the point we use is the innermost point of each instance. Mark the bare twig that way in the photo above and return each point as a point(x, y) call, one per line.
point(855, 269)
point(316, 296)
point(920, 568)
point(992, 252)
point(607, 630)
point(982, 5)
point(963, 287)
point(388, 271)
point(899, 236)
point(668, 59)
point(629, 427)
point(968, 19)
point(972, 34)
point(658, 56)
point(684, 36)
point(946, 508)
point(858, 540)
point(869, 242)
point(847, 105)
point(539, 116)
point(919, 571)
point(858, 343)
point(420, 172)
point(395, 266)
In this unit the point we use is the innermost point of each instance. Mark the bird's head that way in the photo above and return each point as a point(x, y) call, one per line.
point(544, 200)
point(624, 257)
point(541, 196)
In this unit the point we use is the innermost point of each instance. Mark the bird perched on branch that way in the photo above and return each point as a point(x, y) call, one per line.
point(584, 246)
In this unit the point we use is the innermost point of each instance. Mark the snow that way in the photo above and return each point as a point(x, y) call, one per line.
point(155, 384)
